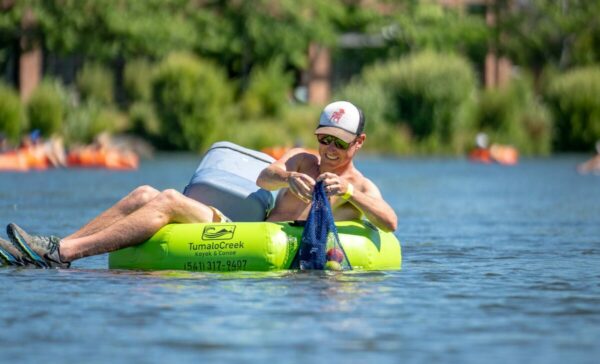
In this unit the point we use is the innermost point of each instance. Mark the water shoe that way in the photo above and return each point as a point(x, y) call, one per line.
point(42, 250)
point(10, 255)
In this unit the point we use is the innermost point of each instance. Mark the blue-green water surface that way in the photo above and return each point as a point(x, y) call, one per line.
point(500, 265)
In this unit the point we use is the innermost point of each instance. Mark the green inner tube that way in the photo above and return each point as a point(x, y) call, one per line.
point(252, 246)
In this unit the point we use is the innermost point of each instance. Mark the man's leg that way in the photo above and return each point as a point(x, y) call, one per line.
point(167, 207)
point(128, 204)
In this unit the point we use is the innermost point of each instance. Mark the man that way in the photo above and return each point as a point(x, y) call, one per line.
point(145, 210)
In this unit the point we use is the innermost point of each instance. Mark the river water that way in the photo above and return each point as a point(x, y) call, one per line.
point(500, 264)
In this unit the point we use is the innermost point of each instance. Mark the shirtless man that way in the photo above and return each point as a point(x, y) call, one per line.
point(139, 215)
point(352, 195)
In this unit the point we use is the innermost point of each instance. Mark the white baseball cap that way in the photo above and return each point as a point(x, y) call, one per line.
point(342, 120)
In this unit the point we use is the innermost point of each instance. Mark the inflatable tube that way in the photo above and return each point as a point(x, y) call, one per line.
point(13, 161)
point(252, 246)
point(103, 158)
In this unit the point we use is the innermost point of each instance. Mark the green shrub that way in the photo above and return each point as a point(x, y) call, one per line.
point(86, 121)
point(513, 115)
point(108, 120)
point(432, 94)
point(294, 127)
point(143, 119)
point(256, 134)
point(370, 97)
point(382, 136)
point(95, 83)
point(45, 108)
point(575, 104)
point(77, 127)
point(191, 97)
point(12, 117)
point(267, 92)
point(137, 80)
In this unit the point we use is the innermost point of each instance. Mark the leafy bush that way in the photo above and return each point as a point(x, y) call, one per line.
point(108, 120)
point(267, 91)
point(192, 97)
point(85, 121)
point(256, 134)
point(12, 117)
point(95, 82)
point(382, 136)
point(78, 122)
point(143, 119)
point(574, 102)
point(45, 108)
point(137, 80)
point(431, 94)
point(370, 97)
point(294, 127)
point(513, 115)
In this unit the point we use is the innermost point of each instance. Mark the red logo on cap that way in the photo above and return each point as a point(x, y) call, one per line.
point(337, 115)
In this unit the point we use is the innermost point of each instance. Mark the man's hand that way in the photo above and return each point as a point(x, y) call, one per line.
point(334, 184)
point(302, 186)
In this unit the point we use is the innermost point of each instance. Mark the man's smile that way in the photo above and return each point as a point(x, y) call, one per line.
point(332, 157)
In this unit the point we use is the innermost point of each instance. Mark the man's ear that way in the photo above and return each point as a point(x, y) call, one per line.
point(360, 140)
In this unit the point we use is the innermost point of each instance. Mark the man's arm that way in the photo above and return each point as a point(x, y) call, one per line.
point(372, 204)
point(368, 200)
point(283, 173)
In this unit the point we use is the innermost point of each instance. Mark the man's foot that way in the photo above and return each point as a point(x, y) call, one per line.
point(42, 250)
point(10, 255)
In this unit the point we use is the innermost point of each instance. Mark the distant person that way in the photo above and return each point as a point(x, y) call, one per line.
point(55, 151)
point(481, 153)
point(593, 164)
point(139, 215)
point(33, 149)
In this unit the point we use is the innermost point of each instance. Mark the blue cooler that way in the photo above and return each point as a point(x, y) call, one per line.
point(226, 179)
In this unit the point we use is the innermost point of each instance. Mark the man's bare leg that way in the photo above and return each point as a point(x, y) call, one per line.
point(128, 204)
point(167, 207)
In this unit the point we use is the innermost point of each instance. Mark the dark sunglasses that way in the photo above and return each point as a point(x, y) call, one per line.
point(340, 144)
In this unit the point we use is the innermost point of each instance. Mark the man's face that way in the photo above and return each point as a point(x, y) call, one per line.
point(335, 150)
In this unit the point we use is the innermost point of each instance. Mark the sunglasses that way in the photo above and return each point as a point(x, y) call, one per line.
point(340, 144)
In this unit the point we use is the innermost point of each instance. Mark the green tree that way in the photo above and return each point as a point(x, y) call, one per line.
point(427, 25)
point(103, 29)
point(245, 33)
point(540, 33)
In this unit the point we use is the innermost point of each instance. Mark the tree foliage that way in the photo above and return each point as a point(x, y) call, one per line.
point(428, 25)
point(238, 34)
point(573, 99)
point(540, 33)
point(191, 97)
